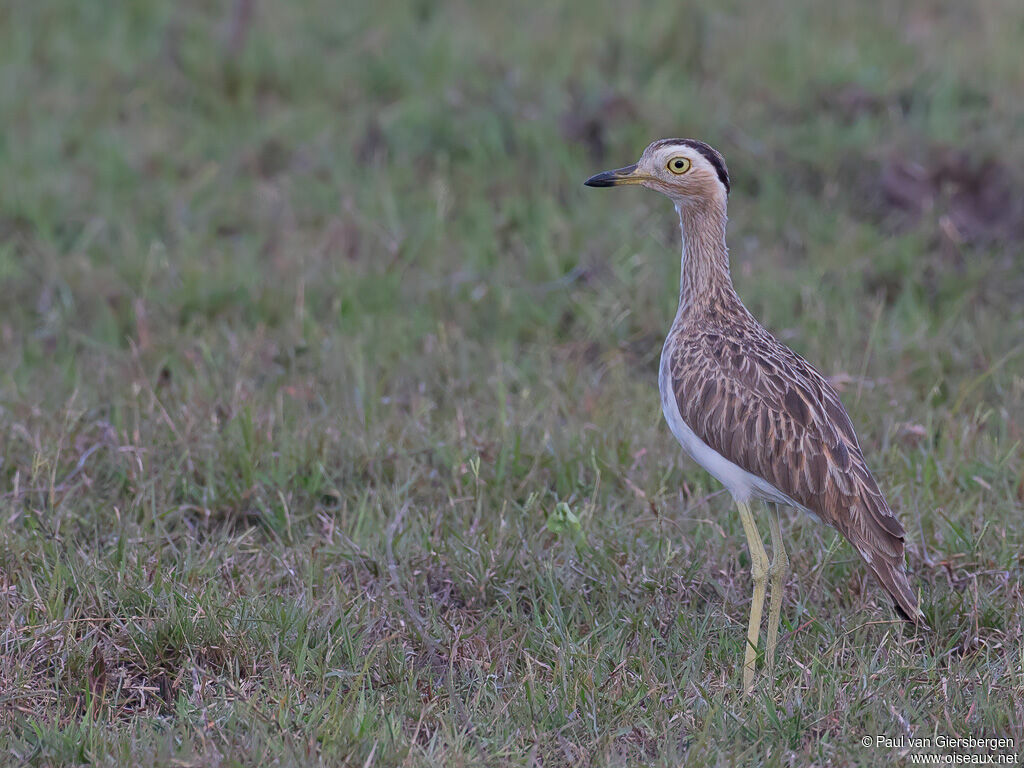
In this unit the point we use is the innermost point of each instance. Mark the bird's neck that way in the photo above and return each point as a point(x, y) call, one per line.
point(705, 284)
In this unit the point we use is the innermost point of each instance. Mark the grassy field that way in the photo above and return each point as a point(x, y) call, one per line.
point(329, 427)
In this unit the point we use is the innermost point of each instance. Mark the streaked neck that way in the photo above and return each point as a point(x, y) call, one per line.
point(705, 284)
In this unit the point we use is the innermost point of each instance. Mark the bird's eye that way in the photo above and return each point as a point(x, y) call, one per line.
point(679, 164)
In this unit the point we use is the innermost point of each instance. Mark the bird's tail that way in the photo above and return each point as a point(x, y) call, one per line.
point(879, 538)
point(893, 577)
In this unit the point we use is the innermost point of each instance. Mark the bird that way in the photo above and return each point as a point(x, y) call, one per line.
point(752, 412)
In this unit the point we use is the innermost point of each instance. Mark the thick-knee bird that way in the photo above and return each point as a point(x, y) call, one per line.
point(748, 409)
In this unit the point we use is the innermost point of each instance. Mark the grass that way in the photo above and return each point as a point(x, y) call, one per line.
point(329, 430)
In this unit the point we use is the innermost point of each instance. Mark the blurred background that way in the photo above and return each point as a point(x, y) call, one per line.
point(329, 426)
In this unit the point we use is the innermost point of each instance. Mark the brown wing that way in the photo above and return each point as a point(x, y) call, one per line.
point(743, 395)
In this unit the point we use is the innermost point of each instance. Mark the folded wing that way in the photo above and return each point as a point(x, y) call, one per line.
point(765, 409)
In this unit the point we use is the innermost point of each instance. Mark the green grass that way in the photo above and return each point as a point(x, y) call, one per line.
point(310, 337)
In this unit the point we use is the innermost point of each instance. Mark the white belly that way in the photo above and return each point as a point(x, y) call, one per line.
point(741, 484)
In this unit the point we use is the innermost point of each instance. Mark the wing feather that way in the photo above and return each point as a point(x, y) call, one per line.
point(743, 392)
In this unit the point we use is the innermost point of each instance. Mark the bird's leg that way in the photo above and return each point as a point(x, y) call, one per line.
point(759, 572)
point(777, 571)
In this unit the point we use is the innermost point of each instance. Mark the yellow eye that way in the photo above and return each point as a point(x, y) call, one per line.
point(679, 164)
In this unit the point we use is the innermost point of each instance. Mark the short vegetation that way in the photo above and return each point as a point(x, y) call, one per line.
point(329, 426)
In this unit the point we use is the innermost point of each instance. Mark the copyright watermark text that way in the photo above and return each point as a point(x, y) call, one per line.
point(948, 750)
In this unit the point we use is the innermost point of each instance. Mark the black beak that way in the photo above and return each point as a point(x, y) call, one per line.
point(615, 178)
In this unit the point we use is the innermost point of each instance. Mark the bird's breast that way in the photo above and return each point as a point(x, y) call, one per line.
point(742, 484)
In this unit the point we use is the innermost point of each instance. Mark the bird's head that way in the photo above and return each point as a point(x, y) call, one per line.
point(685, 170)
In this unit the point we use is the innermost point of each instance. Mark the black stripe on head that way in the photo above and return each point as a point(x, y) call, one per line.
point(711, 154)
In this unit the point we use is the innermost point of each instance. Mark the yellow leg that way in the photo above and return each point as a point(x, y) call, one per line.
point(759, 572)
point(777, 572)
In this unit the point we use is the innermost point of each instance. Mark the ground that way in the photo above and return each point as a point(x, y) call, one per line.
point(329, 426)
